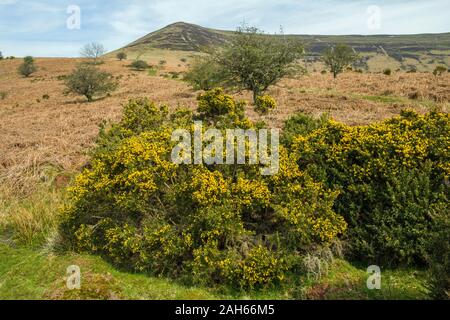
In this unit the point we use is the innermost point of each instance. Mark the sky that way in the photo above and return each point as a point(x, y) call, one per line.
point(59, 28)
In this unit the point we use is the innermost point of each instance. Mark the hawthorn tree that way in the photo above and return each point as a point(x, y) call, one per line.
point(121, 56)
point(88, 81)
point(27, 67)
point(338, 58)
point(254, 60)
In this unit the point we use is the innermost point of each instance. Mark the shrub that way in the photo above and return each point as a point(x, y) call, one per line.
point(45, 97)
point(121, 56)
point(204, 74)
point(184, 60)
point(213, 224)
point(3, 95)
point(390, 175)
point(438, 254)
point(387, 72)
point(88, 81)
point(439, 70)
point(264, 104)
point(27, 67)
point(139, 65)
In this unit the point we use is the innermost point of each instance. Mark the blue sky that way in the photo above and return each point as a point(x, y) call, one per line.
point(39, 27)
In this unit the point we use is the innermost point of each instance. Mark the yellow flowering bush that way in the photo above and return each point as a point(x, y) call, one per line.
point(389, 176)
point(264, 104)
point(208, 223)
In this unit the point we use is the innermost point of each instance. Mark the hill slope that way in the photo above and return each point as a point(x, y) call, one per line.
point(181, 36)
point(421, 52)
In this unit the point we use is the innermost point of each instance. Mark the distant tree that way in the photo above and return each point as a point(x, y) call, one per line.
point(1, 56)
point(254, 60)
point(88, 81)
point(27, 67)
point(121, 56)
point(139, 65)
point(338, 58)
point(439, 70)
point(93, 51)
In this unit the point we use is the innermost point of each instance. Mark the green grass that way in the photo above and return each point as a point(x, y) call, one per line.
point(347, 281)
point(152, 72)
point(28, 274)
point(35, 274)
point(381, 99)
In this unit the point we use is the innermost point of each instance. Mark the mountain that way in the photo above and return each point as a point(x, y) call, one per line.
point(421, 51)
point(182, 36)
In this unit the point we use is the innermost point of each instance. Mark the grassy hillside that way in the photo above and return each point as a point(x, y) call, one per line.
point(405, 52)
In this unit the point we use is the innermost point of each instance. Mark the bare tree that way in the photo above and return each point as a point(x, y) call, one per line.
point(93, 51)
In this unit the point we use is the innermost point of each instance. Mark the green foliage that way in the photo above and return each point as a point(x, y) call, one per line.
point(338, 58)
point(254, 61)
point(439, 70)
point(139, 65)
point(88, 81)
point(211, 224)
point(301, 124)
point(204, 74)
point(438, 254)
point(3, 95)
point(390, 176)
point(121, 55)
point(27, 67)
point(387, 72)
point(265, 104)
point(1, 56)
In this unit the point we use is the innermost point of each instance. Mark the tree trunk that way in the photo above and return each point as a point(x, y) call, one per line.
point(256, 94)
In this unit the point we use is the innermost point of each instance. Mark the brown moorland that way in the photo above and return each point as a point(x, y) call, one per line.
point(44, 131)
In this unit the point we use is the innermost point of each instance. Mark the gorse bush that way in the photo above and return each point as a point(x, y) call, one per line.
point(438, 254)
point(374, 185)
point(210, 223)
point(301, 124)
point(264, 104)
point(390, 177)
